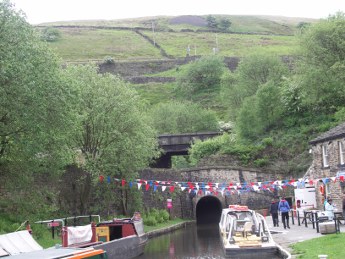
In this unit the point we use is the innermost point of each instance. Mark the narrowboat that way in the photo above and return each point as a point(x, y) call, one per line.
point(122, 238)
point(245, 234)
point(21, 245)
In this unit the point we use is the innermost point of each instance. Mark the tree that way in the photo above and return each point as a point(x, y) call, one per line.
point(35, 104)
point(252, 72)
point(269, 104)
point(183, 117)
point(248, 122)
point(36, 112)
point(321, 69)
point(201, 79)
point(114, 134)
point(211, 22)
point(50, 34)
point(224, 24)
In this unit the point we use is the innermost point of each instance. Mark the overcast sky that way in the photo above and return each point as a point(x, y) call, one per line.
point(39, 11)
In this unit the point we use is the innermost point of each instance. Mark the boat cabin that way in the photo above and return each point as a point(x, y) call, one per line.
point(86, 231)
point(245, 232)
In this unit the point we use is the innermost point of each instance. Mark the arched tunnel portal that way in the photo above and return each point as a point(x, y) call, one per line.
point(208, 210)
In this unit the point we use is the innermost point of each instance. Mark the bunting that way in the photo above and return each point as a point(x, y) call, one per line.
point(216, 188)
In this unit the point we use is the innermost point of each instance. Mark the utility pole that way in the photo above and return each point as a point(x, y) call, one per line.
point(217, 49)
point(153, 33)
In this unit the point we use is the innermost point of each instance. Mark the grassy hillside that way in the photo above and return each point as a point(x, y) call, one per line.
point(239, 23)
point(151, 37)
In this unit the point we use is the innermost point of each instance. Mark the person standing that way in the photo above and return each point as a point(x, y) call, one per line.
point(274, 212)
point(329, 209)
point(284, 208)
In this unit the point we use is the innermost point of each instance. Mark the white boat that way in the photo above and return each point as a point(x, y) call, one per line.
point(21, 245)
point(245, 234)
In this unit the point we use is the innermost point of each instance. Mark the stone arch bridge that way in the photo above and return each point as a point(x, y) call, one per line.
point(178, 145)
point(206, 208)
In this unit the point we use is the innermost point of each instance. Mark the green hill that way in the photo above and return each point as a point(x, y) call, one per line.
point(170, 37)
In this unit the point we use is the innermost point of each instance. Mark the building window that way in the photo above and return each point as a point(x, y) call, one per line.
point(341, 152)
point(325, 156)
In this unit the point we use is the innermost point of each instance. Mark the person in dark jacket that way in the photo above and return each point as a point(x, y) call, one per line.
point(274, 212)
point(284, 208)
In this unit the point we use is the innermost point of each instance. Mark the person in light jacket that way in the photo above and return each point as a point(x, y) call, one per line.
point(284, 209)
point(329, 209)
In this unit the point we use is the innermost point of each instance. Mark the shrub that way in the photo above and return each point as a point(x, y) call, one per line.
point(109, 60)
point(267, 142)
point(150, 221)
point(164, 215)
point(50, 34)
point(261, 162)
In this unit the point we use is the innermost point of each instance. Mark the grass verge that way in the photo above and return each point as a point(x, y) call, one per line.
point(330, 245)
point(164, 225)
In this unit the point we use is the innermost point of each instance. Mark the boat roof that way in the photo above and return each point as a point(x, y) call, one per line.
point(52, 253)
point(237, 208)
point(18, 242)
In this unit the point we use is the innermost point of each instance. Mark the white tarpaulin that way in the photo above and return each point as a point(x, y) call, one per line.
point(18, 242)
point(79, 234)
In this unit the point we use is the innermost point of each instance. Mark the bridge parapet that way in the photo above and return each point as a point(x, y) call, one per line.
point(181, 142)
point(178, 144)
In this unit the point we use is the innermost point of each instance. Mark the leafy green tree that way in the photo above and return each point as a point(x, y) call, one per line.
point(183, 117)
point(224, 24)
point(201, 79)
point(303, 25)
point(252, 72)
point(114, 135)
point(269, 104)
point(35, 104)
point(211, 22)
point(231, 93)
point(261, 111)
point(36, 113)
point(321, 69)
point(50, 34)
point(248, 124)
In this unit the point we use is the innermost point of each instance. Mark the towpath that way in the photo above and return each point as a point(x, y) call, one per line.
point(286, 237)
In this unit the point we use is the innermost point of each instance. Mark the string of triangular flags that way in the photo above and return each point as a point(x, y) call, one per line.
point(218, 188)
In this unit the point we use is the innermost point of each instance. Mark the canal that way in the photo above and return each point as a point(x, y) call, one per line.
point(193, 241)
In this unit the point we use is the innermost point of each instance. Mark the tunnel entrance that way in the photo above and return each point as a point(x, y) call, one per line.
point(208, 210)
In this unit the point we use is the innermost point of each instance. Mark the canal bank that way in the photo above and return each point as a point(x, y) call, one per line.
point(162, 231)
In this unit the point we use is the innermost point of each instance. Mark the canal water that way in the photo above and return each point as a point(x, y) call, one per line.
point(192, 242)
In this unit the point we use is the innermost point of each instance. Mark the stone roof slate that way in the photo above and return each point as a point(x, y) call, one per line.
point(334, 133)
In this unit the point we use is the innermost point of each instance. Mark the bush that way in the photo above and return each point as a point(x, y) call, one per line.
point(267, 142)
point(261, 162)
point(165, 215)
point(109, 60)
point(150, 221)
point(154, 217)
point(50, 34)
point(209, 147)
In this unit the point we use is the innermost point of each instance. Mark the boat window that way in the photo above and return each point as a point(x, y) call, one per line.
point(115, 232)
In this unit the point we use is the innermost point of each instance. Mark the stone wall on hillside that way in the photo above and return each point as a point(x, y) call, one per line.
point(132, 70)
point(139, 68)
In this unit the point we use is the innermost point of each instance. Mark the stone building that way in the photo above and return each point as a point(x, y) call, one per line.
point(328, 166)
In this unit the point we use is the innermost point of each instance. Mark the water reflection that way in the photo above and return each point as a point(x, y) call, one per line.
point(200, 241)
